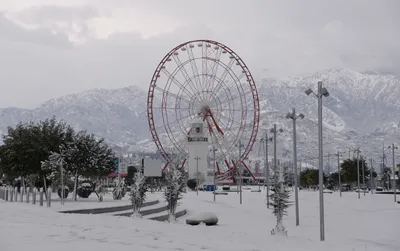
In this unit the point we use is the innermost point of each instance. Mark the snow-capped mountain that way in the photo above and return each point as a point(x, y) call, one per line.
point(362, 111)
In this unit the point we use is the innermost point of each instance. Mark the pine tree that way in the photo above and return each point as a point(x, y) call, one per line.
point(173, 191)
point(279, 201)
point(138, 193)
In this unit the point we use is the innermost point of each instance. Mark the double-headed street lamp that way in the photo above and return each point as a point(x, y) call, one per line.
point(292, 115)
point(338, 155)
point(322, 92)
point(275, 131)
point(266, 165)
point(394, 171)
point(358, 171)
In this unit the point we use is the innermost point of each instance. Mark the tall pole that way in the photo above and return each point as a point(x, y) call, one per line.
point(267, 167)
point(358, 172)
point(363, 173)
point(340, 179)
point(197, 174)
point(62, 184)
point(320, 157)
point(240, 170)
point(296, 192)
point(214, 161)
point(372, 177)
point(394, 174)
point(275, 160)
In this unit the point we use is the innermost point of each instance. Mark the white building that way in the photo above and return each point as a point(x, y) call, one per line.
point(198, 149)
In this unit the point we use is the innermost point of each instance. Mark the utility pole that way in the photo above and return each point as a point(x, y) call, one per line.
point(197, 174)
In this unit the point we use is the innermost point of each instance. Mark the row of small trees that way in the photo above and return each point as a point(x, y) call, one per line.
point(36, 152)
point(172, 193)
point(348, 171)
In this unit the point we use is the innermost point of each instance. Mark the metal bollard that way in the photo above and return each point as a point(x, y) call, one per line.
point(34, 196)
point(11, 194)
point(49, 197)
point(41, 197)
point(28, 194)
point(6, 193)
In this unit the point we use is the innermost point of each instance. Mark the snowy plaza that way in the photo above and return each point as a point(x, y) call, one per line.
point(352, 224)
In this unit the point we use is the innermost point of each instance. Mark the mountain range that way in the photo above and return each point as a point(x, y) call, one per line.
point(362, 111)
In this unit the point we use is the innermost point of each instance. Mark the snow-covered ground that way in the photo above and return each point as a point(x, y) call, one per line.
point(368, 224)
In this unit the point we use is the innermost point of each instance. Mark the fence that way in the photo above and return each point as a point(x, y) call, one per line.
point(28, 195)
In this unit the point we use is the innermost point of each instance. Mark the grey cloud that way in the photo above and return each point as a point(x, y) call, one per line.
point(13, 33)
point(275, 39)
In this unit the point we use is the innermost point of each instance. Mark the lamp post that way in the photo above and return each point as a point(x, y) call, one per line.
point(240, 145)
point(274, 131)
point(363, 172)
point(197, 174)
point(393, 147)
point(358, 171)
point(292, 115)
point(338, 155)
point(322, 92)
point(372, 176)
point(266, 165)
point(214, 164)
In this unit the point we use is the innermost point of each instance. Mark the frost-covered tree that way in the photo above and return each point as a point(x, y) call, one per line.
point(53, 166)
point(87, 156)
point(138, 193)
point(173, 191)
point(279, 201)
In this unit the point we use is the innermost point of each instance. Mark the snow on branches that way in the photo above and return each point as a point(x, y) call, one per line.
point(279, 201)
point(173, 191)
point(138, 193)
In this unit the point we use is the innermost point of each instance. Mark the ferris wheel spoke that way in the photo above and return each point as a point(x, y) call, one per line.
point(179, 84)
point(172, 94)
point(214, 68)
point(193, 65)
point(185, 75)
point(233, 84)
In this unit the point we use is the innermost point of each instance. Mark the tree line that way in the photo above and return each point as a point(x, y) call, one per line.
point(36, 151)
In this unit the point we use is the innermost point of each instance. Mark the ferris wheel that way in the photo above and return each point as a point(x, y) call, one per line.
point(204, 79)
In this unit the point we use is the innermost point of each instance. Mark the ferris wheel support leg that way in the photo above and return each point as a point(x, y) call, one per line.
point(254, 178)
point(165, 167)
point(219, 171)
point(183, 164)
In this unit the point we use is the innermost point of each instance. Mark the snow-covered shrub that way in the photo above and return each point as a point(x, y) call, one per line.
point(138, 193)
point(279, 201)
point(173, 191)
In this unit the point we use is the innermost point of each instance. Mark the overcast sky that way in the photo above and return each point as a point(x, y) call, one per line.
point(49, 48)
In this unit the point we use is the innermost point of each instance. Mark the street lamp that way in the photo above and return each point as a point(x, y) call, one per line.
point(394, 170)
point(372, 176)
point(197, 174)
point(214, 164)
point(322, 92)
point(338, 155)
point(239, 165)
point(266, 165)
point(292, 115)
point(275, 131)
point(358, 171)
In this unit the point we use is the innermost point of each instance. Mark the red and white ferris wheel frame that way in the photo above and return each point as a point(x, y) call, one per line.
point(249, 79)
